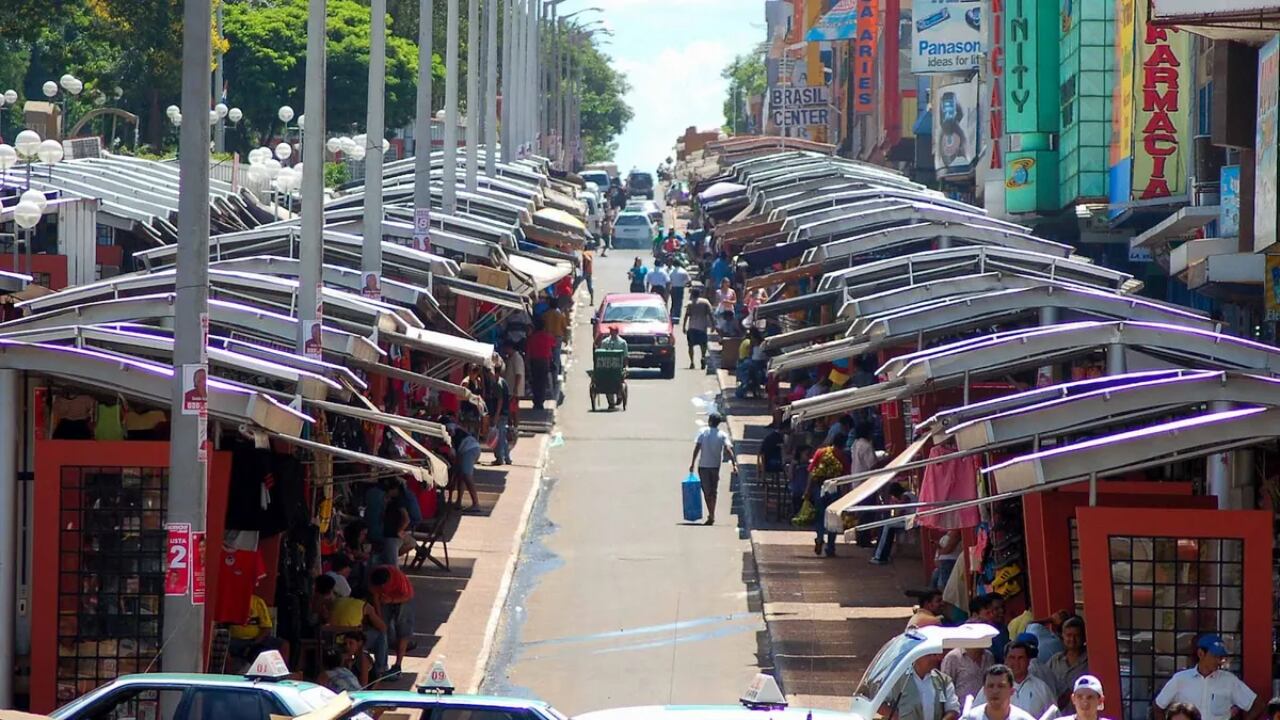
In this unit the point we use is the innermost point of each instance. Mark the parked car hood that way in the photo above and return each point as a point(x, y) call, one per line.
point(646, 327)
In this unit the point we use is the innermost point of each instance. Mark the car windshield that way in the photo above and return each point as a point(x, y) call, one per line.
point(641, 180)
point(599, 178)
point(632, 220)
point(634, 313)
point(886, 664)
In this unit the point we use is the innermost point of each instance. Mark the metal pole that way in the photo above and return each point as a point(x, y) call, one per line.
point(566, 87)
point(311, 244)
point(508, 98)
point(219, 130)
point(11, 427)
point(183, 631)
point(475, 105)
point(491, 90)
point(371, 248)
point(536, 109)
point(451, 110)
point(422, 123)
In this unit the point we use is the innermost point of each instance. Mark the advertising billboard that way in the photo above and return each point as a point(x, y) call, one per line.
point(1191, 9)
point(1031, 180)
point(1162, 110)
point(947, 36)
point(864, 55)
point(1229, 201)
point(1264, 203)
point(955, 128)
point(1031, 66)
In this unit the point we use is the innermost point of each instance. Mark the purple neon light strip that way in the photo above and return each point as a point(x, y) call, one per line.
point(1176, 425)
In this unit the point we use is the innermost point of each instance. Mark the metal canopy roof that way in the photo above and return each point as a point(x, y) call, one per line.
point(931, 265)
point(442, 345)
point(903, 211)
point(239, 319)
point(799, 302)
point(1005, 352)
point(805, 335)
point(814, 355)
point(333, 275)
point(849, 399)
point(822, 197)
point(137, 341)
point(1185, 438)
point(146, 381)
point(969, 233)
point(957, 313)
point(891, 299)
point(1099, 407)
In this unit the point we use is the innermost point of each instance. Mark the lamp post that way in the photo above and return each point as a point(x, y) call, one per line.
point(451, 109)
point(311, 252)
point(491, 90)
point(371, 247)
point(422, 130)
point(71, 86)
point(474, 103)
point(8, 99)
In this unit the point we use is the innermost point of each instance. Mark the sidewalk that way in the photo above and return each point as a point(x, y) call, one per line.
point(826, 617)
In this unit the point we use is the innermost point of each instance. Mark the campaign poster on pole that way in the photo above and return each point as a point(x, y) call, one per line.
point(195, 389)
point(313, 346)
point(948, 36)
point(199, 588)
point(177, 576)
point(422, 228)
point(372, 287)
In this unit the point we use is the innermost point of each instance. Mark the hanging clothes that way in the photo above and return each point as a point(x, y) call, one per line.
point(951, 480)
point(110, 423)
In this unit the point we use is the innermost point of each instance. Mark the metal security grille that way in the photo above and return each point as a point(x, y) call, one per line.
point(1166, 592)
point(111, 551)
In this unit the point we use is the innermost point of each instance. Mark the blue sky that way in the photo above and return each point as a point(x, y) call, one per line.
point(672, 52)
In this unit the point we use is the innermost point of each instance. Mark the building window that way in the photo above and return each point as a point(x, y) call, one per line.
point(1166, 592)
point(111, 551)
point(1204, 109)
point(106, 235)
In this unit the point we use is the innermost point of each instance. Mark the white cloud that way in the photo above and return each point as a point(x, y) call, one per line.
point(677, 88)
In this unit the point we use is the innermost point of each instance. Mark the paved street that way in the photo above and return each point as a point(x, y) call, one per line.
point(617, 601)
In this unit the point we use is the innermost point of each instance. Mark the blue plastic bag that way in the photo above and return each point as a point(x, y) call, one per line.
point(691, 491)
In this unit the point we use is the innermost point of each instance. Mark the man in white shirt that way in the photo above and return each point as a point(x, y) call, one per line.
point(923, 694)
point(1207, 686)
point(679, 280)
point(1029, 692)
point(709, 451)
point(1087, 698)
point(997, 687)
point(658, 281)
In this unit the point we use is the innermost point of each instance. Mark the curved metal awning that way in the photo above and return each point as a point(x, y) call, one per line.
point(881, 241)
point(336, 276)
point(805, 336)
point(442, 345)
point(1186, 438)
point(850, 399)
point(902, 211)
point(244, 319)
point(1083, 411)
point(822, 197)
point(814, 355)
point(888, 299)
point(148, 382)
point(931, 265)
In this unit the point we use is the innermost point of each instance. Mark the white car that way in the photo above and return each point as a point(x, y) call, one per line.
point(649, 208)
point(763, 700)
point(633, 230)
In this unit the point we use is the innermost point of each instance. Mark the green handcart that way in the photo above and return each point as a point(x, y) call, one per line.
point(609, 378)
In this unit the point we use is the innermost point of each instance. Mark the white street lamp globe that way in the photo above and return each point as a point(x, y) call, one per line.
point(66, 80)
point(8, 157)
point(172, 110)
point(27, 143)
point(50, 152)
point(234, 115)
point(362, 140)
point(50, 88)
point(2, 101)
point(213, 117)
point(11, 96)
point(348, 145)
point(273, 166)
point(35, 197)
point(177, 120)
point(221, 109)
point(358, 153)
point(258, 174)
point(75, 86)
point(302, 122)
point(284, 150)
point(27, 215)
point(297, 176)
point(333, 145)
point(285, 114)
point(117, 92)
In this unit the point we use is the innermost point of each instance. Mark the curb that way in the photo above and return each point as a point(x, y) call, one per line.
point(749, 514)
point(508, 572)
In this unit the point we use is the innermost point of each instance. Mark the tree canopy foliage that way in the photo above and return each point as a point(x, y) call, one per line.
point(746, 76)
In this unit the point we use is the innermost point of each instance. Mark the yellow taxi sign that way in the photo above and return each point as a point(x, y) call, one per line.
point(763, 692)
point(269, 665)
point(437, 680)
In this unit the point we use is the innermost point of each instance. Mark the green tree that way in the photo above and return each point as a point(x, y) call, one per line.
point(266, 64)
point(605, 112)
point(746, 76)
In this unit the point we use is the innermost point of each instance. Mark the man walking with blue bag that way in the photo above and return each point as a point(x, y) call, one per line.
point(711, 449)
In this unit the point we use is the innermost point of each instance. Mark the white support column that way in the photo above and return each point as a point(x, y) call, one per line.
point(475, 105)
point(491, 89)
point(371, 248)
point(451, 110)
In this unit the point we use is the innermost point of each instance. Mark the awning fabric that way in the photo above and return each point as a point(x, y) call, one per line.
point(421, 474)
point(484, 293)
point(834, 518)
point(448, 346)
point(543, 274)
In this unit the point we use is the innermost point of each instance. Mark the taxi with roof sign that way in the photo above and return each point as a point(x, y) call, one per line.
point(763, 700)
point(435, 700)
point(265, 690)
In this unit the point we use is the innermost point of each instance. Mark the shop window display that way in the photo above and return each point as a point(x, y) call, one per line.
point(1166, 592)
point(111, 551)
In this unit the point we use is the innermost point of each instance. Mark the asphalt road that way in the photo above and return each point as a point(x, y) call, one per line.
point(617, 601)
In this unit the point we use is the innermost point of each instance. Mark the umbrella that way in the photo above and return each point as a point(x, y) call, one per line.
point(721, 190)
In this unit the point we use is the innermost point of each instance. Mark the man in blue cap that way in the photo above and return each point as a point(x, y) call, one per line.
point(1207, 686)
